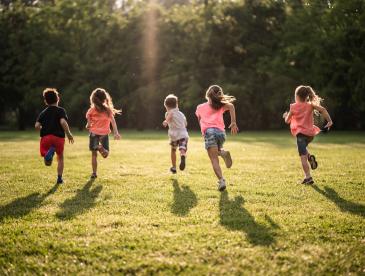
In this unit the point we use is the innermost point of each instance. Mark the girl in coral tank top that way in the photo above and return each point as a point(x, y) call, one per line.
point(300, 118)
point(99, 117)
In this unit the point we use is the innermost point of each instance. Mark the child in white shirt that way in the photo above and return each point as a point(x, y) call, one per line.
point(178, 134)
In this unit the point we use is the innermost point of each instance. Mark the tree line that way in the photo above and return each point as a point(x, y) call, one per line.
point(140, 51)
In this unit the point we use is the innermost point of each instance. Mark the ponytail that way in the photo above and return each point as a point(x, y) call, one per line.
point(217, 98)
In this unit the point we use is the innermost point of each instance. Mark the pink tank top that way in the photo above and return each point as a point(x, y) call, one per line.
point(302, 119)
point(210, 117)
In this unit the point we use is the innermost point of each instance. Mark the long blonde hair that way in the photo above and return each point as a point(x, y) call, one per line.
point(217, 97)
point(101, 100)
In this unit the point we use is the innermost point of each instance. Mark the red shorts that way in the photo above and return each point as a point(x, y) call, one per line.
point(49, 141)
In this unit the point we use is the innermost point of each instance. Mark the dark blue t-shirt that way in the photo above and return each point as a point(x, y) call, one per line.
point(50, 119)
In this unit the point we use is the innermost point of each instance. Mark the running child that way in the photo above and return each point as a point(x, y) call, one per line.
point(177, 132)
point(210, 116)
point(300, 118)
point(99, 117)
point(52, 123)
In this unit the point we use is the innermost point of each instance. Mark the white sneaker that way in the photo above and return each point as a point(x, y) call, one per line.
point(226, 155)
point(221, 184)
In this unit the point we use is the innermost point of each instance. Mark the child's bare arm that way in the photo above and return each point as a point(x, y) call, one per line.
point(287, 117)
point(115, 129)
point(325, 114)
point(66, 128)
point(38, 126)
point(232, 113)
point(87, 124)
point(167, 120)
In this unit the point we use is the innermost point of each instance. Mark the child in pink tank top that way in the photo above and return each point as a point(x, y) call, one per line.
point(300, 118)
point(210, 116)
point(99, 117)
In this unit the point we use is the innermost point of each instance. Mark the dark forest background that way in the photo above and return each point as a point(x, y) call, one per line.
point(140, 51)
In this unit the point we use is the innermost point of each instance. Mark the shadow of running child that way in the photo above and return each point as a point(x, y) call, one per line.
point(343, 204)
point(83, 200)
point(24, 205)
point(184, 199)
point(234, 217)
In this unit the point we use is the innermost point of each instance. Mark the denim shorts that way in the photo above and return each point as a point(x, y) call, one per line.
point(302, 143)
point(95, 140)
point(214, 137)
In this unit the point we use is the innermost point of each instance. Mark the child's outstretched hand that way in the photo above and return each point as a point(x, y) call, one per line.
point(164, 123)
point(285, 114)
point(117, 136)
point(234, 128)
point(70, 138)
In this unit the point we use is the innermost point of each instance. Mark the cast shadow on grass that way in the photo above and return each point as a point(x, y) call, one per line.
point(80, 203)
point(184, 199)
point(24, 205)
point(343, 204)
point(234, 217)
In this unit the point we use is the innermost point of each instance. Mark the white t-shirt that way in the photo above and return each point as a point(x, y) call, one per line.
point(177, 125)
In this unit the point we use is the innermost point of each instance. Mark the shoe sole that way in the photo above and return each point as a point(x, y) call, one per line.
point(227, 159)
point(221, 189)
point(48, 158)
point(309, 182)
point(313, 163)
point(182, 163)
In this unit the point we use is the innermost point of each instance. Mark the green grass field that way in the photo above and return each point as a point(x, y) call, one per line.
point(137, 218)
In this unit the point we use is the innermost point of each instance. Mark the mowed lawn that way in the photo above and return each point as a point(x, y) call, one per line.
point(136, 218)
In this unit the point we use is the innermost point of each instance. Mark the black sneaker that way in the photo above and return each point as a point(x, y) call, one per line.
point(59, 180)
point(173, 170)
point(93, 176)
point(312, 161)
point(308, 181)
point(182, 163)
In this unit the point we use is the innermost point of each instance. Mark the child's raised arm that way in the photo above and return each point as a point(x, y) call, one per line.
point(232, 113)
point(325, 114)
point(115, 129)
point(287, 117)
point(87, 124)
point(167, 120)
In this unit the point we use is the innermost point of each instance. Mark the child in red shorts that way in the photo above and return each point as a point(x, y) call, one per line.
point(52, 123)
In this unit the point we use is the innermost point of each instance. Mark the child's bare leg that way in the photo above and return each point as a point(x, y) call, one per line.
point(173, 157)
point(226, 155)
point(182, 152)
point(213, 155)
point(305, 165)
point(60, 164)
point(94, 161)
